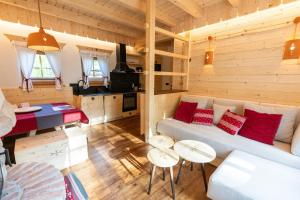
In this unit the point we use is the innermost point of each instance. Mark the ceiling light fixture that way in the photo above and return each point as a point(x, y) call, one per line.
point(209, 53)
point(292, 47)
point(41, 41)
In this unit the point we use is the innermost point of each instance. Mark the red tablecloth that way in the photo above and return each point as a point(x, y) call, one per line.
point(47, 118)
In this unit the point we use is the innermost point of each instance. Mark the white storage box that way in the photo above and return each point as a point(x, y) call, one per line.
point(61, 149)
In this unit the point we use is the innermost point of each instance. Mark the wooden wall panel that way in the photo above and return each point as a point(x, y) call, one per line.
point(39, 95)
point(247, 67)
point(165, 107)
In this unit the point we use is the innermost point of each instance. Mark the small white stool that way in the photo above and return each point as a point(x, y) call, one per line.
point(164, 158)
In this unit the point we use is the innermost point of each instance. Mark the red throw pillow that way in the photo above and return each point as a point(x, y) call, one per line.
point(261, 127)
point(231, 122)
point(185, 111)
point(204, 117)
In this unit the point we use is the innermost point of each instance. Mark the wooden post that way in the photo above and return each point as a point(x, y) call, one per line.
point(150, 58)
point(187, 65)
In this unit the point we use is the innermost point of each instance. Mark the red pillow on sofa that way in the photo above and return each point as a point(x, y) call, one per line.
point(185, 111)
point(261, 127)
point(204, 117)
point(231, 122)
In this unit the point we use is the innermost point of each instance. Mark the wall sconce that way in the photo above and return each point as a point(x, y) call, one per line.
point(292, 47)
point(209, 53)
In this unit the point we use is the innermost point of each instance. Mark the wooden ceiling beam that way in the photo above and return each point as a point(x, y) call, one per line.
point(234, 3)
point(140, 6)
point(111, 14)
point(190, 7)
point(64, 14)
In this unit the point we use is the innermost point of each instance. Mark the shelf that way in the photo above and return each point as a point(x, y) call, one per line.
point(134, 54)
point(169, 54)
point(169, 74)
point(170, 34)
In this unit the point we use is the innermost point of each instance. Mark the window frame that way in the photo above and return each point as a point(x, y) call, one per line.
point(92, 73)
point(41, 80)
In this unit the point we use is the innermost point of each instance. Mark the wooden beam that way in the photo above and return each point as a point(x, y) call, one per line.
point(140, 6)
point(22, 39)
point(234, 3)
point(68, 15)
point(170, 74)
point(190, 7)
point(86, 48)
point(170, 34)
point(111, 14)
point(149, 78)
point(169, 54)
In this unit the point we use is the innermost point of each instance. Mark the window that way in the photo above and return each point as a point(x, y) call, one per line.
point(41, 68)
point(96, 70)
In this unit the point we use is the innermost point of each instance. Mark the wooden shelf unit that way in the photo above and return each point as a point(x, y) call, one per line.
point(169, 54)
point(182, 55)
point(170, 34)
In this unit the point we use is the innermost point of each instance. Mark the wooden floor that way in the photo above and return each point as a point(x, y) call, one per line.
point(118, 167)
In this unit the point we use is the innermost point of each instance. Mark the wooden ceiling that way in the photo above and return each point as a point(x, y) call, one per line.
point(124, 20)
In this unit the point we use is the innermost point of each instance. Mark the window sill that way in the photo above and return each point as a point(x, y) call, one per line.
point(43, 83)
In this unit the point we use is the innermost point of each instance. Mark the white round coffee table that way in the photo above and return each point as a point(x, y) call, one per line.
point(161, 141)
point(164, 158)
point(194, 152)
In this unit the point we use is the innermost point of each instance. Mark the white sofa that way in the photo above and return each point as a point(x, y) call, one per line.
point(287, 152)
point(243, 176)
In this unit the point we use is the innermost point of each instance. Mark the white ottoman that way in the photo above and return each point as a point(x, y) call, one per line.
point(61, 149)
point(243, 177)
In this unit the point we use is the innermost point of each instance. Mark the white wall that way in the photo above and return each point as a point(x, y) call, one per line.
point(10, 75)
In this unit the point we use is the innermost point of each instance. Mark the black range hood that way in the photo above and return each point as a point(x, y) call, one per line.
point(121, 66)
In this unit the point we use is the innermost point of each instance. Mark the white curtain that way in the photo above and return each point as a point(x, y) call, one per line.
point(54, 59)
point(104, 66)
point(26, 60)
point(87, 63)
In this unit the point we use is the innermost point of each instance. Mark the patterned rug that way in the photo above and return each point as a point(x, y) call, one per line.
point(74, 188)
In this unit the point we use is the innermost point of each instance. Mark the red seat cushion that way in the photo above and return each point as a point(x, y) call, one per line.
point(204, 117)
point(261, 127)
point(231, 122)
point(185, 111)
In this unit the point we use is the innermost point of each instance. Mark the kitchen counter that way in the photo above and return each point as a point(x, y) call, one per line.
point(166, 91)
point(105, 93)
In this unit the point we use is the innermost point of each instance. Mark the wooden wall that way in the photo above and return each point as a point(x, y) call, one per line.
point(165, 107)
point(39, 95)
point(247, 67)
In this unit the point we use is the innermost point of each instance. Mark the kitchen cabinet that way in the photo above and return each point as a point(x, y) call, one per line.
point(93, 107)
point(113, 107)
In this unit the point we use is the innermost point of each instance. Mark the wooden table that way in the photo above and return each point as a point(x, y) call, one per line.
point(50, 116)
point(194, 152)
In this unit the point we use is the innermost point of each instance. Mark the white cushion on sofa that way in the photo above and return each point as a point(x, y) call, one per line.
point(239, 104)
point(286, 128)
point(219, 111)
point(225, 143)
point(296, 142)
point(203, 101)
point(243, 177)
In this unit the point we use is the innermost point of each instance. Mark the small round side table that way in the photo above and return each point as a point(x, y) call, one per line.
point(164, 158)
point(194, 152)
point(161, 141)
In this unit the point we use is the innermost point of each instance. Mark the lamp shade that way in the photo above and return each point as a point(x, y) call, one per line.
point(291, 49)
point(209, 57)
point(41, 41)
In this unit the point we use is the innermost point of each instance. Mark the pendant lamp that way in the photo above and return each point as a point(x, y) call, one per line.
point(292, 47)
point(209, 54)
point(42, 41)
